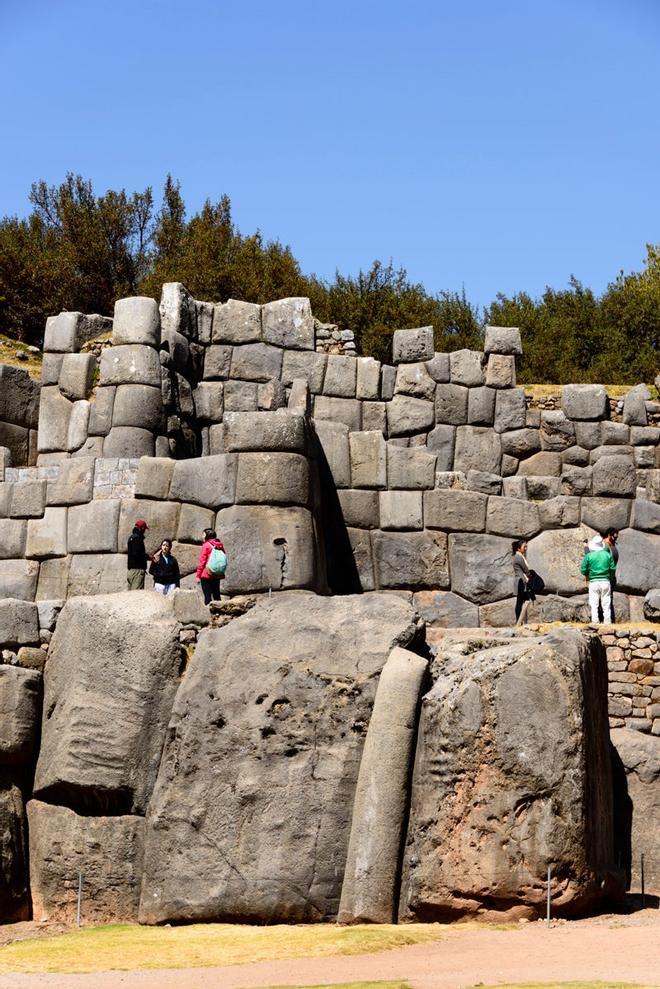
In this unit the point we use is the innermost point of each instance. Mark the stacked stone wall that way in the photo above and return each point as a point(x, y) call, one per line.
point(633, 660)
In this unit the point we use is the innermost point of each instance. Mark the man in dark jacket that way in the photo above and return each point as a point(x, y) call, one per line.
point(137, 557)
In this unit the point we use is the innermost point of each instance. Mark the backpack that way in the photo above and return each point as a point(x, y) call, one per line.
point(536, 583)
point(217, 562)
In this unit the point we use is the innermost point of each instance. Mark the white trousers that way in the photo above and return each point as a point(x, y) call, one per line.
point(164, 588)
point(600, 591)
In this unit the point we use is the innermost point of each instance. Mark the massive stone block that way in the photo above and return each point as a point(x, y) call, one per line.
point(78, 425)
point(556, 555)
point(20, 700)
point(18, 579)
point(92, 528)
point(86, 573)
point(501, 371)
point(70, 330)
point(502, 340)
point(138, 405)
point(401, 510)
point(370, 889)
point(510, 410)
point(444, 609)
point(288, 323)
point(557, 431)
point(272, 478)
point(441, 441)
point(411, 559)
point(47, 536)
point(28, 499)
point(512, 774)
point(268, 547)
point(256, 362)
point(407, 415)
point(451, 404)
point(601, 513)
point(19, 622)
point(76, 375)
point(638, 568)
point(265, 431)
point(634, 406)
point(340, 376)
point(368, 453)
point(481, 567)
point(19, 397)
point(136, 320)
point(130, 364)
point(513, 517)
point(346, 410)
point(14, 885)
point(16, 439)
point(154, 476)
point(477, 448)
point(640, 755)
point(236, 322)
point(410, 346)
point(646, 516)
point(462, 511)
point(466, 367)
point(128, 441)
point(12, 538)
point(545, 464)
point(108, 851)
point(304, 364)
point(481, 406)
point(361, 508)
point(615, 477)
point(113, 668)
point(411, 468)
point(54, 415)
point(368, 378)
point(256, 786)
point(333, 438)
point(206, 481)
point(584, 402)
point(162, 517)
point(414, 379)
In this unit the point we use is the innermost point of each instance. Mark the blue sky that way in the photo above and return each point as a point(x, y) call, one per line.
point(500, 145)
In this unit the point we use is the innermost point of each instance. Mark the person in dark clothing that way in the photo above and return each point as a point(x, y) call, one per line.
point(165, 569)
point(137, 557)
point(521, 576)
point(210, 583)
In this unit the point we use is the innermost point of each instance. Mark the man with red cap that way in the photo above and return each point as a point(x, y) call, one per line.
point(137, 557)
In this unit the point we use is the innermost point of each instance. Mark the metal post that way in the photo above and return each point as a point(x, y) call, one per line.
point(79, 899)
point(547, 909)
point(641, 869)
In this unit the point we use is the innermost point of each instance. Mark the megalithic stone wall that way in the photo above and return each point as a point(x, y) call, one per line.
point(419, 473)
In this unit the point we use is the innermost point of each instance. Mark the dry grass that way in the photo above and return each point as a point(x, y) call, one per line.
point(563, 985)
point(8, 348)
point(129, 947)
point(353, 985)
point(549, 391)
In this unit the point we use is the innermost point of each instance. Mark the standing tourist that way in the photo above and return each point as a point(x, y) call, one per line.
point(165, 569)
point(521, 575)
point(211, 567)
point(598, 567)
point(137, 557)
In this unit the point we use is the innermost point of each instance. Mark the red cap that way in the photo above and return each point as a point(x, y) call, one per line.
point(141, 524)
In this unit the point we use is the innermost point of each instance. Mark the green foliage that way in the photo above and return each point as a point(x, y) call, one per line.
point(77, 250)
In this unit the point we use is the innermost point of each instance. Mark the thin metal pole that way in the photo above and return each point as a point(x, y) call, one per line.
point(79, 898)
point(642, 875)
point(547, 906)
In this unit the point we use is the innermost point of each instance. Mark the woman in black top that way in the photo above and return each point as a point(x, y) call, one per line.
point(165, 569)
point(521, 575)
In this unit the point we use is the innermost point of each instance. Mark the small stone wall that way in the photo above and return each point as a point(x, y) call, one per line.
point(633, 660)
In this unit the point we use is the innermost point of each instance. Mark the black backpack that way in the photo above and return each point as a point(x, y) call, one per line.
point(536, 583)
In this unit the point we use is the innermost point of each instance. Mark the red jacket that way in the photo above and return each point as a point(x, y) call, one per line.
point(207, 547)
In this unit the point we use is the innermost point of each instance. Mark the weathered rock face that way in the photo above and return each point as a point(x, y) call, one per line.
point(107, 850)
point(20, 698)
point(253, 802)
point(112, 672)
point(14, 888)
point(640, 755)
point(512, 774)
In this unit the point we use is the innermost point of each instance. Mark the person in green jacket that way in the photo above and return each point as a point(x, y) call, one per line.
point(598, 566)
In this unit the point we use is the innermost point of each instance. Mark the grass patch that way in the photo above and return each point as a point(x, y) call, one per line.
point(8, 348)
point(124, 947)
point(563, 985)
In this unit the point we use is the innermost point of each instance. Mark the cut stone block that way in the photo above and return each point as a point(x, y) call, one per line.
point(441, 441)
point(19, 622)
point(12, 538)
point(256, 362)
point(340, 376)
point(74, 484)
point(178, 312)
point(272, 478)
point(267, 547)
point(209, 401)
point(481, 406)
point(128, 442)
point(638, 568)
point(557, 432)
point(502, 340)
point(28, 499)
point(501, 371)
point(136, 320)
point(451, 404)
point(217, 362)
point(410, 346)
point(512, 517)
point(346, 410)
point(305, 364)
point(412, 468)
point(401, 510)
point(51, 366)
point(240, 396)
point(92, 528)
point(360, 543)
point(368, 453)
point(462, 511)
point(477, 448)
point(584, 402)
point(438, 368)
point(54, 415)
point(100, 411)
point(576, 480)
point(67, 332)
point(510, 410)
point(615, 476)
point(360, 508)
point(78, 425)
point(264, 431)
point(162, 517)
point(466, 367)
point(634, 406)
point(481, 567)
point(76, 376)
point(333, 438)
point(206, 481)
point(289, 323)
point(605, 513)
point(20, 709)
point(561, 512)
point(411, 560)
point(374, 416)
point(646, 516)
point(18, 579)
point(236, 322)
point(414, 379)
point(484, 481)
point(192, 521)
point(138, 405)
point(444, 609)
point(406, 415)
point(47, 536)
point(545, 464)
point(130, 364)
point(154, 475)
point(368, 378)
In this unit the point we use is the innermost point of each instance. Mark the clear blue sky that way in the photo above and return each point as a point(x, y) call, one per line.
point(496, 144)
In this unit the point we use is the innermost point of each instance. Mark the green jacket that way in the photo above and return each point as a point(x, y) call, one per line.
point(598, 566)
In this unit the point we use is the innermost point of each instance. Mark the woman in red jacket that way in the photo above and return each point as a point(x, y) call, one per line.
point(210, 583)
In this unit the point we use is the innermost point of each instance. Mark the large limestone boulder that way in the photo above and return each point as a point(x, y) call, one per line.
point(512, 774)
point(640, 755)
point(251, 814)
point(638, 569)
point(108, 851)
point(481, 567)
point(556, 555)
point(113, 668)
point(14, 887)
point(20, 699)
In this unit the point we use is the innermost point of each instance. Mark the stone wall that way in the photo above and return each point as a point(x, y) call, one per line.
point(633, 660)
point(19, 411)
point(426, 469)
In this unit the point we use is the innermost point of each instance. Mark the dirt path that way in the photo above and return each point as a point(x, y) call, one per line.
point(625, 949)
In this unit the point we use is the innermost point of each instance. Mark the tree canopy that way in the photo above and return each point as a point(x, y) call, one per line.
point(80, 251)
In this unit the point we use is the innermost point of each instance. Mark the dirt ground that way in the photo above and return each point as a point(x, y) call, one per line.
point(609, 947)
